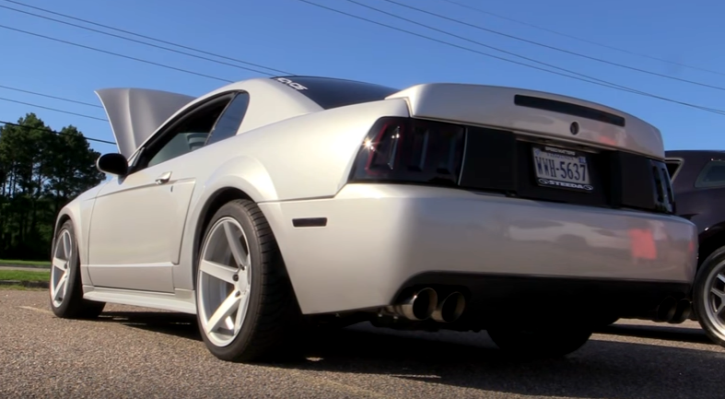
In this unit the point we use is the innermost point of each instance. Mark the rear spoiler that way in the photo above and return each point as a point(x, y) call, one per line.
point(540, 113)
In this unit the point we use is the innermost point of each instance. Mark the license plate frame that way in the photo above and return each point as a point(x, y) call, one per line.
point(562, 168)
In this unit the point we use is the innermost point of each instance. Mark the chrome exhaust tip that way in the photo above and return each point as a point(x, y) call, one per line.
point(418, 306)
point(666, 310)
point(450, 308)
point(682, 312)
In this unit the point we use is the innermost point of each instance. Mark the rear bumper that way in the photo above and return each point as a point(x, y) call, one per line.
point(512, 300)
point(380, 238)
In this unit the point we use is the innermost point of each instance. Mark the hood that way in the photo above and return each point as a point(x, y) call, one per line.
point(135, 114)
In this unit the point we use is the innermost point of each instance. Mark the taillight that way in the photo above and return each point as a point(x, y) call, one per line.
point(664, 197)
point(405, 150)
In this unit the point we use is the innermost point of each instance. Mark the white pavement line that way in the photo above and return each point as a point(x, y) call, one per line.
point(351, 388)
point(46, 311)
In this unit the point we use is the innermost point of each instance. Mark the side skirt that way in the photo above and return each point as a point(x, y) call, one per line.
point(182, 301)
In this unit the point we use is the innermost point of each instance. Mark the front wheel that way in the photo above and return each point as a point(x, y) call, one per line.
point(66, 286)
point(709, 296)
point(246, 307)
point(540, 342)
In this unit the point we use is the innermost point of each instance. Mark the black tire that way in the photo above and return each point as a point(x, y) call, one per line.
point(73, 306)
point(541, 343)
point(273, 324)
point(713, 265)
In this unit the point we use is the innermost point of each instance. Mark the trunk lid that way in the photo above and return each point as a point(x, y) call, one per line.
point(536, 113)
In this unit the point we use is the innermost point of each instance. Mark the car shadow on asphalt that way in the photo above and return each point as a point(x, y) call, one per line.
point(601, 369)
point(185, 326)
point(178, 324)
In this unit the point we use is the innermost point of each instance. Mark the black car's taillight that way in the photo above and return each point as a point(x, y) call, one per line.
point(641, 183)
point(664, 196)
point(406, 150)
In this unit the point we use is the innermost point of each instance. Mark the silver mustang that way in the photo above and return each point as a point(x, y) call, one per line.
point(273, 205)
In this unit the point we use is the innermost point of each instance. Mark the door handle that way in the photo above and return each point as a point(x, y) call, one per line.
point(164, 178)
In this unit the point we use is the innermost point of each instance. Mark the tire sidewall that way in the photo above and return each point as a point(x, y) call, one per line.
point(236, 211)
point(701, 294)
point(73, 270)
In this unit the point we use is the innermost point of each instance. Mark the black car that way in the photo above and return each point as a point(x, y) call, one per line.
point(698, 180)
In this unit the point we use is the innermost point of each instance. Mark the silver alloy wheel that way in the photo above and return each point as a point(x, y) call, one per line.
point(224, 281)
point(60, 271)
point(715, 299)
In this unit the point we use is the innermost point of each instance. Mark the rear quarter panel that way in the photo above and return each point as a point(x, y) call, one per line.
point(305, 157)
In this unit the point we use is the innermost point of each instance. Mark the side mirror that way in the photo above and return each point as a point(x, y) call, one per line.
point(113, 163)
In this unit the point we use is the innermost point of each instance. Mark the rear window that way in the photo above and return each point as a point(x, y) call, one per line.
point(332, 93)
point(713, 175)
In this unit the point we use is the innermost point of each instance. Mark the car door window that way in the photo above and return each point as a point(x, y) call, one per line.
point(228, 124)
point(712, 175)
point(188, 133)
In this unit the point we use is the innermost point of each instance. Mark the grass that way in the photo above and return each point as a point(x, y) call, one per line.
point(26, 263)
point(22, 275)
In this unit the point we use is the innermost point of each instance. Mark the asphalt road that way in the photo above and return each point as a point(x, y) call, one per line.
point(138, 353)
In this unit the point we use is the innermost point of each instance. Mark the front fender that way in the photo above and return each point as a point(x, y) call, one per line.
point(79, 211)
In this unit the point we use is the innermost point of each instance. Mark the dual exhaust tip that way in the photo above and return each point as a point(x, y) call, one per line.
point(674, 311)
point(424, 304)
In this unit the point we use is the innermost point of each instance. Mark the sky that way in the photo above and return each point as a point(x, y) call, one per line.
point(299, 38)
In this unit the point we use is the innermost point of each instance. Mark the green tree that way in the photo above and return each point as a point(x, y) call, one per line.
point(40, 171)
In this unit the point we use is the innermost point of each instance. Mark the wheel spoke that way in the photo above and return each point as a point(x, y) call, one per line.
point(67, 249)
point(243, 282)
point(721, 277)
point(225, 310)
point(60, 264)
point(240, 255)
point(718, 293)
point(229, 323)
point(241, 311)
point(60, 287)
point(218, 271)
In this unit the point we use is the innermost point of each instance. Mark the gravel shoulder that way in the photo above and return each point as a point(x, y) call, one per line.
point(134, 352)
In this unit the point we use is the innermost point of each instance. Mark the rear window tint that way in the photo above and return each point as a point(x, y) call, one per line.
point(228, 124)
point(712, 175)
point(332, 93)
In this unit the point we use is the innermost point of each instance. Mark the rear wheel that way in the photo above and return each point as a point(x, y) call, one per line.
point(66, 287)
point(540, 342)
point(245, 303)
point(709, 296)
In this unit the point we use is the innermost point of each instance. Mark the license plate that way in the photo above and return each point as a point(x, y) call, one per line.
point(562, 168)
